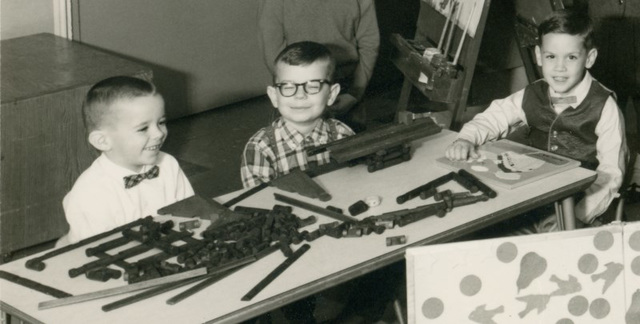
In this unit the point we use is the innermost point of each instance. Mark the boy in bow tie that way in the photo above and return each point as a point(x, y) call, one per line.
point(125, 120)
point(568, 112)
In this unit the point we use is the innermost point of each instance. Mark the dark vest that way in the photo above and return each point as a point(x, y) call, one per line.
point(571, 133)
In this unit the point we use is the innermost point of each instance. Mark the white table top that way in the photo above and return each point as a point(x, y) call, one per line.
point(329, 261)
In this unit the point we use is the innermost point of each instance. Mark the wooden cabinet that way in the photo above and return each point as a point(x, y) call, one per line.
point(43, 147)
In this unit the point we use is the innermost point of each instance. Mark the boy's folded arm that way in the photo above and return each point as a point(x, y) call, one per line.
point(611, 152)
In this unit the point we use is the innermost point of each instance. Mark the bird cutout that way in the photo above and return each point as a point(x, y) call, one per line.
point(482, 315)
point(633, 313)
point(609, 275)
point(532, 266)
point(538, 302)
point(565, 287)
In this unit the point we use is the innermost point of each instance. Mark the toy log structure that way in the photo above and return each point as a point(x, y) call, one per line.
point(382, 147)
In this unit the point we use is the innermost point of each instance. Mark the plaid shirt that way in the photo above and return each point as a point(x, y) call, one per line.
point(276, 150)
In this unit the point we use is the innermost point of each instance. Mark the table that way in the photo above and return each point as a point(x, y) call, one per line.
point(44, 146)
point(328, 263)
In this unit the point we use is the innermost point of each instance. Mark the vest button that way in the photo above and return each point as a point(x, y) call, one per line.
point(554, 148)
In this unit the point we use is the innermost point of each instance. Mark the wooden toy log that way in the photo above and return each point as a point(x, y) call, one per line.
point(38, 264)
point(276, 272)
point(314, 208)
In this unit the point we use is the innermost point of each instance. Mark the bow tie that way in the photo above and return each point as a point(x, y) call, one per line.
point(564, 100)
point(132, 180)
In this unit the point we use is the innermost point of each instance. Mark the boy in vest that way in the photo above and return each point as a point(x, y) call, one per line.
point(303, 88)
point(568, 112)
point(125, 120)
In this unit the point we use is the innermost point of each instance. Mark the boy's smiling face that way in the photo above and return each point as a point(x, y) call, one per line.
point(302, 110)
point(564, 60)
point(135, 131)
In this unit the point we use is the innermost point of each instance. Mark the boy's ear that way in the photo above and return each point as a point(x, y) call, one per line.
point(538, 56)
point(100, 140)
point(591, 58)
point(333, 93)
point(272, 92)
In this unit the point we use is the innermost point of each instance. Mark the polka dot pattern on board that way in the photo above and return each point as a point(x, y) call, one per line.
point(599, 308)
point(635, 266)
point(470, 285)
point(603, 240)
point(507, 252)
point(588, 263)
point(432, 308)
point(634, 241)
point(578, 305)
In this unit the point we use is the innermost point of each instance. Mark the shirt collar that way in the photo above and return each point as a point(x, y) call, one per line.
point(293, 138)
point(580, 91)
point(116, 170)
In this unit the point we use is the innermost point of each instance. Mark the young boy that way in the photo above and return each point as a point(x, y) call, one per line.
point(568, 113)
point(349, 28)
point(125, 120)
point(302, 90)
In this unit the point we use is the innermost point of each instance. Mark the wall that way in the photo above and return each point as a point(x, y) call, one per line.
point(204, 53)
point(21, 18)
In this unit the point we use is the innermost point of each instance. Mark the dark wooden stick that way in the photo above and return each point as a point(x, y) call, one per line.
point(245, 194)
point(148, 294)
point(53, 292)
point(314, 208)
point(276, 272)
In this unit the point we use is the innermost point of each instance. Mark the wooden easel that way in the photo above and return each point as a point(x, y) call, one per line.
point(448, 85)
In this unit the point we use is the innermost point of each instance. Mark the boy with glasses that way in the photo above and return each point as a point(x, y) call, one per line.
point(303, 88)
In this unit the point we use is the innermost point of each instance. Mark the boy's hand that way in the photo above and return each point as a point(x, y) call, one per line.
point(343, 104)
point(461, 150)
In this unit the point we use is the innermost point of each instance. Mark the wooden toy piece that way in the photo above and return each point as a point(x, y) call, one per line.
point(103, 274)
point(276, 272)
point(189, 225)
point(314, 208)
point(195, 206)
point(371, 141)
point(335, 209)
point(422, 212)
point(53, 292)
point(463, 201)
point(396, 240)
point(466, 183)
point(481, 186)
point(358, 208)
point(299, 182)
point(38, 264)
point(425, 187)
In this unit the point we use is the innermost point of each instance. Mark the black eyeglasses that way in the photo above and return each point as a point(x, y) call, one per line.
point(289, 89)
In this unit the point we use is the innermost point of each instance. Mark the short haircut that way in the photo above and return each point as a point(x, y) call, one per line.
point(568, 21)
point(97, 103)
point(305, 53)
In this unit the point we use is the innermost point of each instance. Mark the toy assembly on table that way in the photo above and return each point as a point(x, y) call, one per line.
point(244, 235)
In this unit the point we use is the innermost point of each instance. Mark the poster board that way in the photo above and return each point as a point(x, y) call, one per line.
point(509, 165)
point(581, 276)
